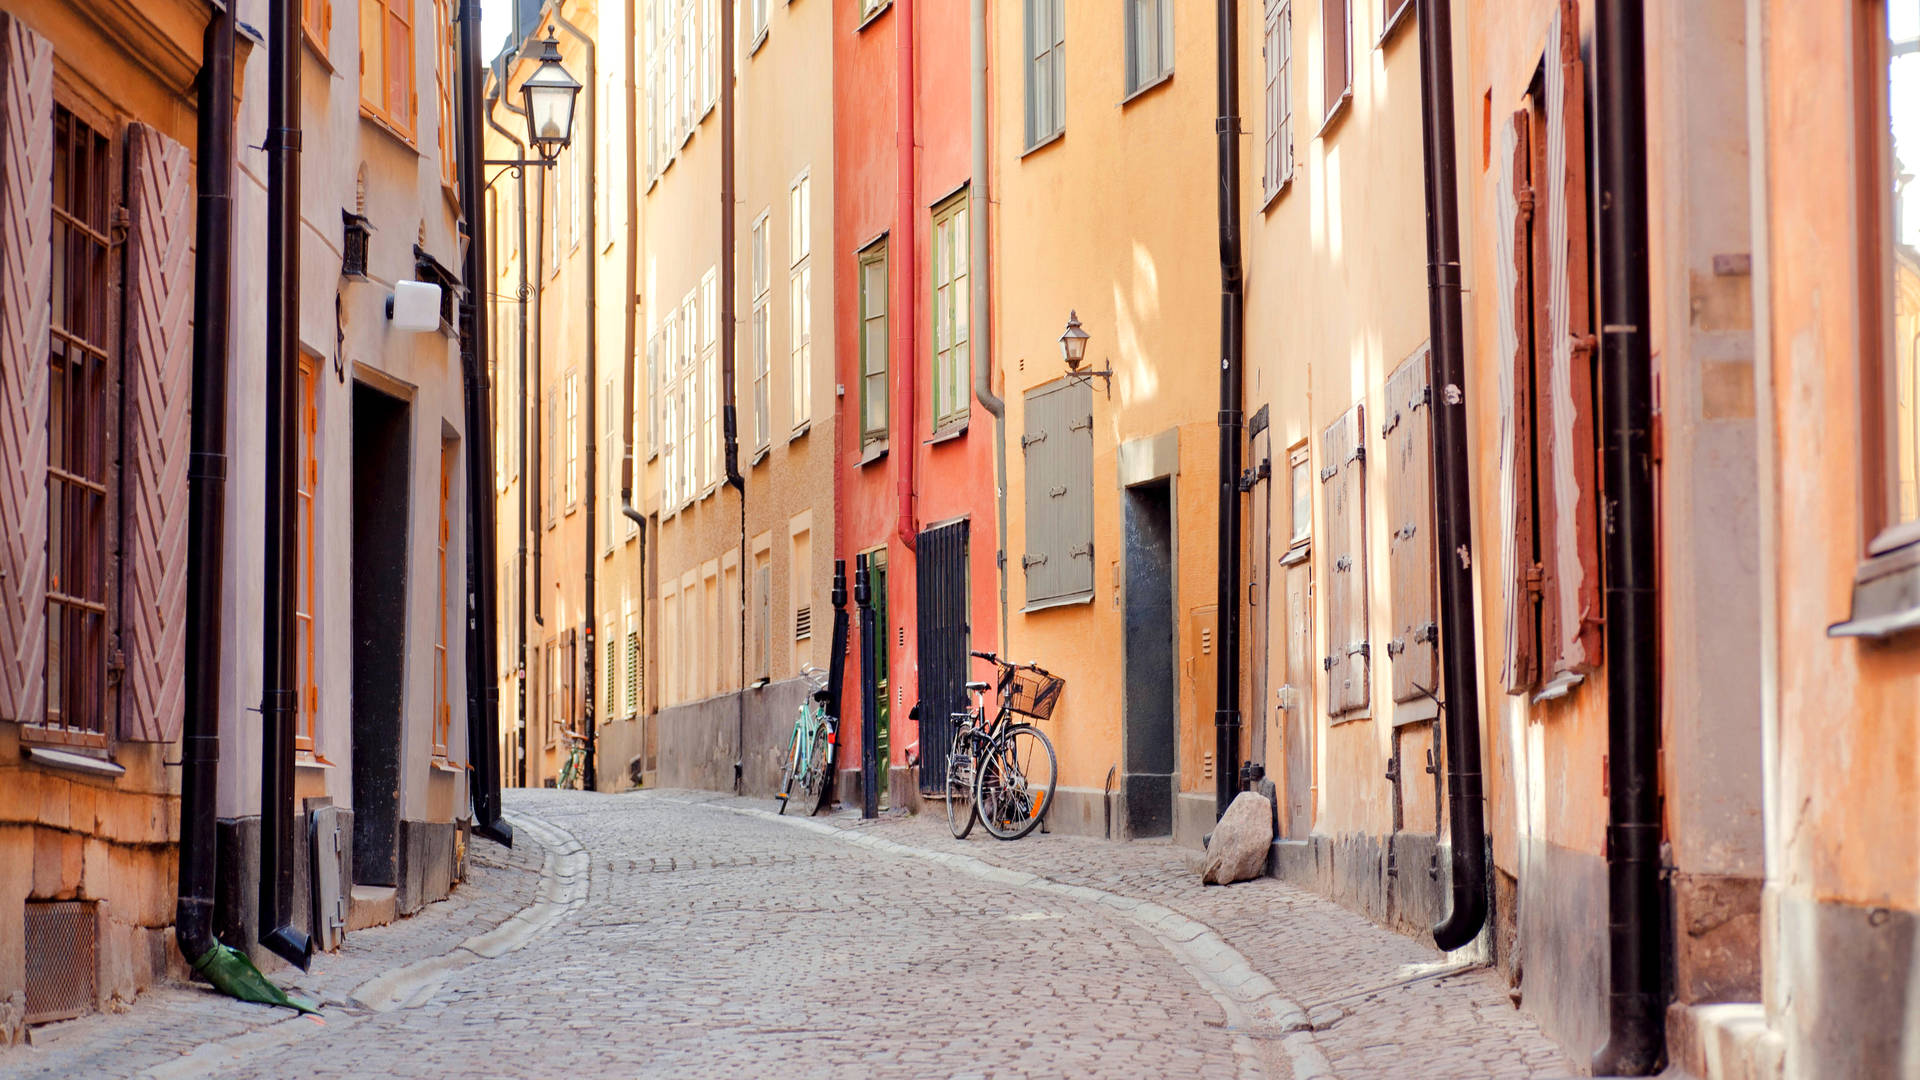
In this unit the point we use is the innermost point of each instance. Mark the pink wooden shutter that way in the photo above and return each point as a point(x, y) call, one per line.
point(1409, 452)
point(26, 282)
point(158, 387)
point(1338, 562)
point(1572, 605)
point(1520, 670)
point(1342, 478)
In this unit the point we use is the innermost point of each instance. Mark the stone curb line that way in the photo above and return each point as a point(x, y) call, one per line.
point(1255, 1007)
point(563, 888)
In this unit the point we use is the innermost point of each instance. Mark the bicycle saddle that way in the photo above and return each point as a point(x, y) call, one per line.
point(979, 686)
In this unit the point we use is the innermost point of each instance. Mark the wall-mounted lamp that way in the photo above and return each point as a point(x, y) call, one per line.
point(1073, 349)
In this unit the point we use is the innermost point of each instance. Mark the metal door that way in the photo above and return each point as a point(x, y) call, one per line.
point(944, 640)
point(1258, 482)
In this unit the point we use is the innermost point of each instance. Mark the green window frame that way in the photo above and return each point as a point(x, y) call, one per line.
point(873, 343)
point(952, 364)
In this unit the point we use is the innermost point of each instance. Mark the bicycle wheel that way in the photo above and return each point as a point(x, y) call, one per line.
point(1014, 784)
point(791, 772)
point(961, 812)
point(817, 765)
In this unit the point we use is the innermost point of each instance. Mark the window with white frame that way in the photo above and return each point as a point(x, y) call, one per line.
point(573, 440)
point(1046, 37)
point(688, 396)
point(709, 381)
point(757, 14)
point(951, 366)
point(669, 411)
point(1278, 169)
point(762, 329)
point(800, 296)
point(1149, 43)
point(709, 54)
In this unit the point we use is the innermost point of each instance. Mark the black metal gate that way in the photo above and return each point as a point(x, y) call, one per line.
point(944, 640)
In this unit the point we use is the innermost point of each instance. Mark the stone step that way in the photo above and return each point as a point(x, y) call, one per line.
point(371, 905)
point(1723, 1042)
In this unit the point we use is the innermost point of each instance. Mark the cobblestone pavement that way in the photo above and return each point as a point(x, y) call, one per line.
point(687, 934)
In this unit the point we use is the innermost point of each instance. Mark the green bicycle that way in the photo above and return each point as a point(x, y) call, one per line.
point(810, 754)
point(574, 769)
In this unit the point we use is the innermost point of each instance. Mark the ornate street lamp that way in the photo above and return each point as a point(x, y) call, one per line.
point(549, 94)
point(1073, 350)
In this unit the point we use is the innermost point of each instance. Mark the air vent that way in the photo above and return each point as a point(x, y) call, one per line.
point(1206, 639)
point(803, 624)
point(353, 249)
point(903, 637)
point(63, 966)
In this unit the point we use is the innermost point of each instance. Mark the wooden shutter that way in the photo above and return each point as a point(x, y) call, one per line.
point(158, 380)
point(1336, 27)
point(1570, 613)
point(26, 281)
point(569, 679)
point(1058, 445)
point(1343, 481)
point(1406, 435)
point(1520, 667)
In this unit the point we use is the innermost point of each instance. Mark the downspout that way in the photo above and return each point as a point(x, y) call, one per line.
point(869, 692)
point(538, 294)
point(227, 969)
point(1453, 500)
point(277, 667)
point(980, 332)
point(1226, 712)
point(631, 340)
point(729, 410)
point(1636, 1039)
point(526, 474)
point(589, 773)
point(906, 217)
point(483, 657)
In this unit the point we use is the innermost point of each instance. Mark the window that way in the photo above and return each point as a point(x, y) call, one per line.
point(1046, 31)
point(688, 397)
point(442, 701)
point(1301, 469)
point(610, 472)
point(762, 330)
point(80, 440)
point(800, 295)
point(306, 485)
point(1149, 43)
point(951, 367)
point(1549, 508)
point(1390, 12)
point(553, 456)
point(316, 18)
point(757, 14)
point(873, 344)
point(650, 44)
point(1058, 445)
point(1336, 33)
point(1279, 58)
point(1405, 433)
point(869, 8)
point(709, 381)
point(1344, 486)
point(576, 189)
point(386, 63)
point(709, 54)
point(690, 60)
point(444, 69)
point(573, 440)
point(653, 389)
point(1896, 268)
point(670, 411)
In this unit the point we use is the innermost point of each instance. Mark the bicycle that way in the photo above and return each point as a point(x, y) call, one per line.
point(572, 771)
point(809, 753)
point(1001, 773)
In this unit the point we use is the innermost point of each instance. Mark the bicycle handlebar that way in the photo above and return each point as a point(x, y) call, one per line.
point(986, 656)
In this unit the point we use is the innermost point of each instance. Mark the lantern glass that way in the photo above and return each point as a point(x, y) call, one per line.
point(550, 93)
point(1073, 343)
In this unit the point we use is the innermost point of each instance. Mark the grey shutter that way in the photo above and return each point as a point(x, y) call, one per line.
point(1058, 444)
point(1406, 436)
point(763, 615)
point(1343, 480)
point(26, 282)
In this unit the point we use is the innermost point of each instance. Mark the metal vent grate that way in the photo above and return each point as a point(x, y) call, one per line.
point(803, 623)
point(62, 938)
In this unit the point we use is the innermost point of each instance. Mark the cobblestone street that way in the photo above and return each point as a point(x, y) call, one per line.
point(680, 934)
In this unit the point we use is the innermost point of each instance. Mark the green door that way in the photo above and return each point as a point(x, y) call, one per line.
point(882, 743)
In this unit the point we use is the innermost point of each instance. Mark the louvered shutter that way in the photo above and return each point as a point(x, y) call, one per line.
point(633, 672)
point(763, 616)
point(1570, 614)
point(1408, 443)
point(1520, 668)
point(26, 279)
point(1058, 444)
point(569, 680)
point(158, 338)
point(1343, 481)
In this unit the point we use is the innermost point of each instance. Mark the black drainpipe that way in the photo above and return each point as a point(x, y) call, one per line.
point(207, 495)
point(526, 474)
point(483, 684)
point(632, 299)
point(277, 693)
point(1636, 1039)
point(589, 772)
point(1226, 712)
point(729, 408)
point(869, 692)
point(836, 681)
point(1452, 495)
point(538, 253)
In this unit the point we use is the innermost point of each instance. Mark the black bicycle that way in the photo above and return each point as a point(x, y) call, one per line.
point(1002, 773)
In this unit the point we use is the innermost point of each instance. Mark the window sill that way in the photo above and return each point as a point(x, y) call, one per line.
point(954, 430)
point(1336, 114)
point(760, 455)
point(1886, 596)
point(1146, 88)
point(1273, 197)
point(1559, 686)
point(800, 431)
point(872, 16)
point(74, 761)
point(381, 123)
point(443, 766)
point(307, 759)
point(1296, 555)
point(1076, 599)
point(1045, 142)
point(318, 49)
point(871, 453)
point(1394, 22)
point(1353, 717)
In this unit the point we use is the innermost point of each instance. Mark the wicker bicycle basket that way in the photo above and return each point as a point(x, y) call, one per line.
point(1031, 692)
